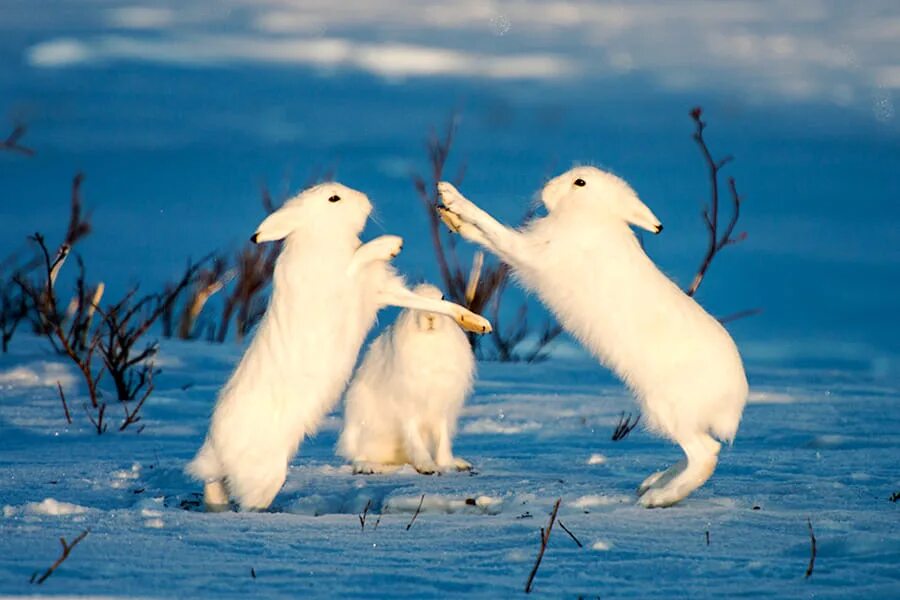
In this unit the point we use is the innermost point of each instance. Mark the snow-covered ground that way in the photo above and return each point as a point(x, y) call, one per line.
point(818, 441)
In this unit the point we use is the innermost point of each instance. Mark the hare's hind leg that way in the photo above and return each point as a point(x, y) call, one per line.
point(676, 483)
point(443, 454)
point(415, 448)
point(215, 496)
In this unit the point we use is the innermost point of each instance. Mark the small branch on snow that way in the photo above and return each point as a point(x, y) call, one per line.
point(624, 426)
point(66, 549)
point(545, 538)
point(571, 535)
point(362, 517)
point(62, 397)
point(416, 514)
point(812, 550)
point(895, 496)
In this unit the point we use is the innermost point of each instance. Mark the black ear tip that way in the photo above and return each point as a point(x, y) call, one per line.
point(659, 229)
point(254, 237)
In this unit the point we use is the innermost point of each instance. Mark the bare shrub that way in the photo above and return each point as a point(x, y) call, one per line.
point(67, 334)
point(11, 143)
point(482, 285)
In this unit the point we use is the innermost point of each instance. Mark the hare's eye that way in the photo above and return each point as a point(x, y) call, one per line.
point(580, 182)
point(334, 198)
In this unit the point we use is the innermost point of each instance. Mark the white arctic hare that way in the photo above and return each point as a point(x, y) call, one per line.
point(586, 265)
point(404, 401)
point(327, 288)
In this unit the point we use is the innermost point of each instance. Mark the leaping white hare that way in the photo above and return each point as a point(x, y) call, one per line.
point(327, 289)
point(587, 266)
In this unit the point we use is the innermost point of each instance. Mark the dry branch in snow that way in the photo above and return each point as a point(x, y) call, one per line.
point(624, 426)
point(545, 538)
point(812, 550)
point(416, 514)
point(66, 550)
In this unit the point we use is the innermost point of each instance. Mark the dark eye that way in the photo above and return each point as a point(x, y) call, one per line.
point(580, 182)
point(334, 198)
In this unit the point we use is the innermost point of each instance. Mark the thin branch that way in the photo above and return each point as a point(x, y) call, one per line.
point(416, 514)
point(812, 550)
point(362, 517)
point(571, 535)
point(711, 213)
point(624, 426)
point(66, 550)
point(545, 538)
point(741, 314)
point(11, 143)
point(62, 397)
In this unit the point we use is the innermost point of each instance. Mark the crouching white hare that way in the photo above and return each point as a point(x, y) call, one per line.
point(327, 289)
point(404, 401)
point(586, 265)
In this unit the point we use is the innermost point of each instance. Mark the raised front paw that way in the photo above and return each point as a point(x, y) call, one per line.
point(454, 201)
point(387, 246)
point(472, 322)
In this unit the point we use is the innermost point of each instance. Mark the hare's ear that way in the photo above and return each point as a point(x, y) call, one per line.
point(276, 226)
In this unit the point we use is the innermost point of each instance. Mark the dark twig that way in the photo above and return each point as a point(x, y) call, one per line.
point(624, 426)
point(362, 517)
point(62, 397)
point(545, 538)
point(571, 535)
point(66, 549)
point(416, 514)
point(741, 314)
point(11, 143)
point(895, 496)
point(711, 213)
point(707, 537)
point(481, 286)
point(812, 550)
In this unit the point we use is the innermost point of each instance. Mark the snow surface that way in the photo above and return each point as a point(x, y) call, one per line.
point(817, 442)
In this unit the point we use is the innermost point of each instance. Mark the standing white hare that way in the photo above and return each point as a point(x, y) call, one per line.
point(586, 265)
point(326, 291)
point(404, 401)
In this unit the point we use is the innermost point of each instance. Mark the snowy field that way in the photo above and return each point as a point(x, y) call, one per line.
point(817, 442)
point(177, 111)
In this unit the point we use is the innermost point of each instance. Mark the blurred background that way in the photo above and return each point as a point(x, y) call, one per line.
point(178, 112)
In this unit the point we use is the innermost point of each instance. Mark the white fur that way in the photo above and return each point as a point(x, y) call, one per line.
point(404, 401)
point(586, 265)
point(327, 289)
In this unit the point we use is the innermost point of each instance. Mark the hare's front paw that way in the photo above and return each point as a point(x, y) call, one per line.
point(454, 201)
point(472, 322)
point(388, 246)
